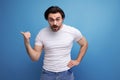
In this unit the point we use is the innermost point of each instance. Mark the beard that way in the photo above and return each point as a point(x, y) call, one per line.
point(55, 28)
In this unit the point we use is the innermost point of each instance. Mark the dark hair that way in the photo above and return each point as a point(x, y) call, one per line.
point(54, 9)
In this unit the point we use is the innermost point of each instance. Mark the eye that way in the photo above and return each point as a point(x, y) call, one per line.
point(58, 19)
point(51, 20)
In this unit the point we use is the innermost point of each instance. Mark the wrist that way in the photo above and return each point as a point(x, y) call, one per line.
point(78, 60)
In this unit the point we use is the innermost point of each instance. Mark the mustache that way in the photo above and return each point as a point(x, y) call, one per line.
point(55, 26)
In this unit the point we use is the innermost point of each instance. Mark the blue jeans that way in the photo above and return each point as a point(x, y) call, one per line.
point(65, 75)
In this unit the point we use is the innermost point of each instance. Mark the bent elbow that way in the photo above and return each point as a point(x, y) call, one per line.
point(86, 44)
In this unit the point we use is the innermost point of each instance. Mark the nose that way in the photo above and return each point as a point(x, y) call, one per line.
point(55, 22)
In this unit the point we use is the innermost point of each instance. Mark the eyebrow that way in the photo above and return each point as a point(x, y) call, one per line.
point(52, 18)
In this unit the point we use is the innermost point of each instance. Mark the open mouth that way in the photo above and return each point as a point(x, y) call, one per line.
point(55, 28)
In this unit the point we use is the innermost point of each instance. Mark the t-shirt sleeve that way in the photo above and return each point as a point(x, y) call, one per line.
point(38, 40)
point(77, 35)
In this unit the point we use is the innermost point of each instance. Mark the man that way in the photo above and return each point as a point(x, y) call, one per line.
point(56, 40)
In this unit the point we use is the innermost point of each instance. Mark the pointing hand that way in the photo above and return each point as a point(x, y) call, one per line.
point(26, 35)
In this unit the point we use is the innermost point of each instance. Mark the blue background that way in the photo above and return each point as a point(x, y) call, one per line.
point(98, 20)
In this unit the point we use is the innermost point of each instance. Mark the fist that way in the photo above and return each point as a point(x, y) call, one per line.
point(72, 63)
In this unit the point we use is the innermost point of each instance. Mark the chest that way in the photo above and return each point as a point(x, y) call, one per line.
point(61, 40)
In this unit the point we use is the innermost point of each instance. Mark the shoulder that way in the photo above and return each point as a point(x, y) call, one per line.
point(73, 31)
point(70, 28)
point(44, 30)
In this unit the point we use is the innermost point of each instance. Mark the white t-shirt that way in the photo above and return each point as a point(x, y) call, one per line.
point(57, 46)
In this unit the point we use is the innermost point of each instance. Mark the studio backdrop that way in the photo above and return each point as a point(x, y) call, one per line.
point(98, 20)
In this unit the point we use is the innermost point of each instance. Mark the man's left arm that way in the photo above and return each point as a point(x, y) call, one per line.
point(83, 48)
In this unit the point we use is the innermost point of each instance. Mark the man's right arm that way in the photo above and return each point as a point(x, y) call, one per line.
point(35, 52)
